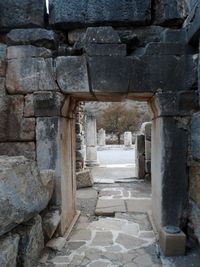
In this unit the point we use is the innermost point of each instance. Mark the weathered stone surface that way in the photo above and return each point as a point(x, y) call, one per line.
point(146, 130)
point(147, 150)
point(26, 149)
point(194, 220)
point(13, 126)
point(17, 16)
point(2, 87)
point(169, 177)
point(162, 48)
point(105, 49)
point(147, 166)
point(84, 179)
point(56, 243)
point(103, 239)
point(25, 51)
point(174, 104)
point(170, 13)
point(47, 104)
point(140, 144)
point(129, 242)
point(102, 12)
point(110, 74)
point(46, 137)
point(2, 59)
point(139, 204)
point(72, 74)
point(195, 136)
point(22, 194)
point(50, 222)
point(37, 37)
point(9, 250)
point(192, 24)
point(102, 35)
point(174, 35)
point(195, 184)
point(48, 180)
point(106, 208)
point(31, 242)
point(140, 166)
point(28, 106)
point(86, 199)
point(29, 75)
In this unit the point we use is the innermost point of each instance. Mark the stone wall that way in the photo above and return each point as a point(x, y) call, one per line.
point(144, 50)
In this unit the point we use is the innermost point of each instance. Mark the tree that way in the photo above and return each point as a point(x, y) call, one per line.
point(117, 119)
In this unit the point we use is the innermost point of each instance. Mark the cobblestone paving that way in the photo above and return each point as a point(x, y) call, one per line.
point(127, 239)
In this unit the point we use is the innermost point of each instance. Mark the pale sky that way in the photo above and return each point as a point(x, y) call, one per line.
point(47, 5)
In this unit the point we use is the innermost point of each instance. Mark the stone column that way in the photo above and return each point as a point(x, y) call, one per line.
point(128, 139)
point(139, 156)
point(101, 137)
point(91, 141)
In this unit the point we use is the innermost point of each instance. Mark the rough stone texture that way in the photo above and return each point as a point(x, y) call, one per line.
point(25, 51)
point(195, 184)
point(17, 16)
point(26, 149)
point(48, 180)
point(146, 130)
point(105, 50)
point(2, 87)
point(29, 75)
point(102, 12)
point(37, 37)
point(86, 201)
point(56, 243)
point(109, 207)
point(9, 250)
point(84, 179)
point(195, 136)
point(102, 35)
point(31, 242)
point(192, 24)
point(22, 194)
point(46, 147)
point(169, 177)
point(194, 220)
point(50, 222)
point(170, 13)
point(72, 74)
point(47, 104)
point(13, 126)
point(2, 59)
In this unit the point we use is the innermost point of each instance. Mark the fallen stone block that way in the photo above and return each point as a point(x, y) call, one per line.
point(50, 222)
point(31, 242)
point(22, 194)
point(9, 250)
point(56, 243)
point(84, 179)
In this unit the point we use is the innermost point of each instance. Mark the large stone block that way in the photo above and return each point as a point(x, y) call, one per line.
point(169, 172)
point(195, 136)
point(25, 51)
point(170, 13)
point(37, 37)
point(26, 149)
point(140, 166)
point(102, 12)
point(140, 144)
point(13, 126)
point(105, 49)
point(31, 242)
point(2, 87)
point(9, 250)
point(102, 35)
point(110, 74)
point(50, 222)
point(48, 104)
point(17, 16)
point(22, 194)
point(29, 75)
point(84, 179)
point(72, 76)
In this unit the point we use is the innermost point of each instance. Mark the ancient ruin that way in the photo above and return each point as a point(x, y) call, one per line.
point(93, 51)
